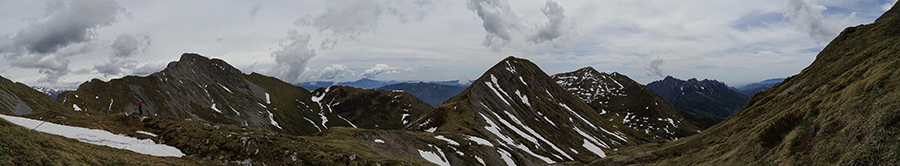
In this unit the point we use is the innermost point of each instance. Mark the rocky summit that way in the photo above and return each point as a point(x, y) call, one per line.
point(623, 100)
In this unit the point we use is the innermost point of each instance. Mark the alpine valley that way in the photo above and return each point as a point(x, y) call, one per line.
point(840, 110)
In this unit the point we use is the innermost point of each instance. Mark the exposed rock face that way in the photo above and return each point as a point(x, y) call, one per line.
point(623, 100)
point(525, 116)
point(196, 87)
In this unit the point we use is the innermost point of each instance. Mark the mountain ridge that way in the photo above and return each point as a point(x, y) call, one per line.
point(621, 99)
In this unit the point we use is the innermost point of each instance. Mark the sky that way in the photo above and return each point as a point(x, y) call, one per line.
point(61, 44)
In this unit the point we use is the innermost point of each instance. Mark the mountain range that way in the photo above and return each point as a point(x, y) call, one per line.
point(623, 100)
point(841, 109)
point(367, 83)
point(196, 87)
point(710, 100)
point(750, 89)
point(432, 93)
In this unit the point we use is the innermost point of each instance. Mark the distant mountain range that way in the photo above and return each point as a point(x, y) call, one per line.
point(49, 91)
point(432, 93)
point(709, 100)
point(750, 89)
point(367, 83)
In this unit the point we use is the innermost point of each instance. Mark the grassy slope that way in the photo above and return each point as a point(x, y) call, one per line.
point(843, 109)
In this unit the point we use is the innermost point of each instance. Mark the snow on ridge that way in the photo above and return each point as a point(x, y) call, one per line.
point(215, 109)
point(538, 136)
point(480, 141)
point(593, 148)
point(345, 119)
point(98, 137)
point(491, 85)
point(226, 88)
point(450, 141)
point(272, 119)
point(506, 156)
point(434, 157)
point(313, 123)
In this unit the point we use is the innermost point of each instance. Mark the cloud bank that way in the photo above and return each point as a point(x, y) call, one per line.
point(380, 69)
point(68, 30)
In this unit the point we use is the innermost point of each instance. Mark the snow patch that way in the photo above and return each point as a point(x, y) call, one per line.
point(593, 148)
point(313, 123)
point(98, 137)
point(506, 157)
point(272, 119)
point(480, 141)
point(76, 107)
point(434, 157)
point(226, 88)
point(379, 141)
point(450, 141)
point(267, 98)
point(215, 109)
point(146, 133)
point(431, 130)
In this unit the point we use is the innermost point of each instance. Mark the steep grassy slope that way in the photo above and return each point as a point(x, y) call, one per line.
point(21, 146)
point(623, 100)
point(370, 109)
point(432, 93)
point(843, 109)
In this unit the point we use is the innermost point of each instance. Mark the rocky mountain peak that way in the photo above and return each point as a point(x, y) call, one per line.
point(203, 70)
point(629, 103)
point(516, 108)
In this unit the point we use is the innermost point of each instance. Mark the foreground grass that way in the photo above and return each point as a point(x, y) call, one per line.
point(21, 146)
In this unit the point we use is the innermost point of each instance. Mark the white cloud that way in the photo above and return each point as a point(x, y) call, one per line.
point(654, 67)
point(67, 30)
point(335, 71)
point(291, 59)
point(499, 19)
point(121, 61)
point(807, 17)
point(380, 69)
point(559, 30)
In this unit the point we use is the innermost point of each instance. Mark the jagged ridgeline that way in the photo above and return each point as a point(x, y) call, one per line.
point(620, 99)
point(196, 87)
point(710, 100)
point(843, 109)
point(515, 114)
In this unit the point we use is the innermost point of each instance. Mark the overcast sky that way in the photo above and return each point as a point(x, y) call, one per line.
point(63, 43)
